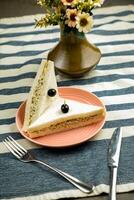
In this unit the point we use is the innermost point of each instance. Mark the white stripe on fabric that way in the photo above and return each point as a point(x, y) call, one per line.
point(113, 9)
point(114, 26)
point(8, 128)
point(76, 193)
point(118, 99)
point(13, 98)
point(7, 113)
point(117, 115)
point(102, 188)
point(127, 18)
point(116, 60)
point(104, 49)
point(115, 85)
point(34, 68)
point(28, 82)
point(102, 38)
point(38, 47)
point(21, 59)
point(19, 71)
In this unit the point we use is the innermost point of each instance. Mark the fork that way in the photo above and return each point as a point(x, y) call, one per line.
point(25, 156)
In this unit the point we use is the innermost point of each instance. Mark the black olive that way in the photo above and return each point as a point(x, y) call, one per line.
point(64, 108)
point(51, 92)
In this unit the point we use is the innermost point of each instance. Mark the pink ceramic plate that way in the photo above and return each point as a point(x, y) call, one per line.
point(72, 137)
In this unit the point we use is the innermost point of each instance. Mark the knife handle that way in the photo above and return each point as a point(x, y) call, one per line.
point(112, 193)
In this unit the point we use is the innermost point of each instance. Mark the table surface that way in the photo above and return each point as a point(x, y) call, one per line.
point(31, 8)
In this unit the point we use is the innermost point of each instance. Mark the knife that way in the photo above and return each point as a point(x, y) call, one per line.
point(113, 160)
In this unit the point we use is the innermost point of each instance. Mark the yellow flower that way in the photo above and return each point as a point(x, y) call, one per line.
point(84, 22)
point(69, 2)
point(71, 15)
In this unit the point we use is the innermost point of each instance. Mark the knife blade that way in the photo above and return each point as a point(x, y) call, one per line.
point(113, 160)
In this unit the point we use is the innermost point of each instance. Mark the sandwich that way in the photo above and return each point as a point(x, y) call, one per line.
point(46, 112)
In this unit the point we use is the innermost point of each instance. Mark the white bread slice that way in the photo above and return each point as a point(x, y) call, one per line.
point(38, 100)
point(48, 117)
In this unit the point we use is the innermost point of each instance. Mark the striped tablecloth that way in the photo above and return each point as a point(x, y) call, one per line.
point(22, 48)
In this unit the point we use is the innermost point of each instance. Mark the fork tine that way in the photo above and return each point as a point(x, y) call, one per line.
point(10, 139)
point(10, 149)
point(13, 147)
point(22, 148)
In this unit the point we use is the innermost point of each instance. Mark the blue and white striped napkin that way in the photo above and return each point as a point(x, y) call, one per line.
point(22, 48)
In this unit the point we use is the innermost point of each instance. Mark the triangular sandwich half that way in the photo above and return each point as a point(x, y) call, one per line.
point(43, 113)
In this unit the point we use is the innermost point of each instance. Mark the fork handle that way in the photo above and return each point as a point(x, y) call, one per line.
point(76, 182)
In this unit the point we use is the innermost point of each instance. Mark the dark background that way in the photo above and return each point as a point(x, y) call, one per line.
point(13, 8)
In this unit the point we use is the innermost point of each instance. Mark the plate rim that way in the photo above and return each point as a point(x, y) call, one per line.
point(67, 145)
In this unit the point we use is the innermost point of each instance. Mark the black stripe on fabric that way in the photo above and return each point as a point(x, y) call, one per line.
point(115, 92)
point(96, 32)
point(16, 78)
point(113, 32)
point(115, 66)
point(17, 66)
point(56, 30)
point(119, 53)
point(119, 123)
point(54, 40)
point(17, 25)
point(25, 43)
point(18, 90)
point(15, 135)
point(11, 105)
point(34, 53)
point(97, 79)
point(7, 121)
point(123, 106)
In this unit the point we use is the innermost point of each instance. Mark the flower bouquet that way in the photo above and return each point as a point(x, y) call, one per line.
point(72, 13)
